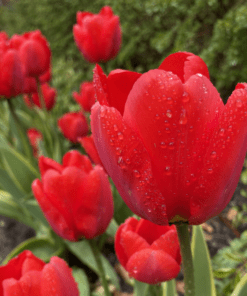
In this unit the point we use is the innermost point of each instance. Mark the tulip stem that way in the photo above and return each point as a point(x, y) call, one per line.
point(101, 271)
point(184, 240)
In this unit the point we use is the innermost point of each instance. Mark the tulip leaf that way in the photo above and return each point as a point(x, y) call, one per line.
point(40, 247)
point(17, 166)
point(204, 282)
point(241, 288)
point(36, 212)
point(112, 228)
point(9, 185)
point(169, 288)
point(82, 281)
point(82, 251)
point(9, 208)
point(140, 289)
point(223, 272)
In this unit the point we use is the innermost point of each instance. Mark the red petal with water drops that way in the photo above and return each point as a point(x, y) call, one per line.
point(128, 163)
point(223, 160)
point(152, 267)
point(184, 65)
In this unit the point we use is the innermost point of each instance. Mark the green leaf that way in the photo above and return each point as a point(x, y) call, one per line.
point(241, 288)
point(82, 281)
point(234, 257)
point(169, 288)
point(83, 251)
point(9, 185)
point(112, 228)
point(223, 272)
point(140, 289)
point(243, 177)
point(40, 247)
point(204, 283)
point(17, 166)
point(36, 212)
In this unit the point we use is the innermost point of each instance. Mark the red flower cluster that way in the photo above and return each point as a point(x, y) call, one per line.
point(149, 252)
point(28, 275)
point(173, 149)
point(73, 125)
point(75, 197)
point(23, 59)
point(98, 36)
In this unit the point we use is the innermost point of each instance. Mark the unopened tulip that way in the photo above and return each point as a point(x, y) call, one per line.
point(172, 148)
point(75, 197)
point(149, 252)
point(34, 137)
point(48, 95)
point(86, 97)
point(73, 125)
point(98, 36)
point(28, 275)
point(35, 54)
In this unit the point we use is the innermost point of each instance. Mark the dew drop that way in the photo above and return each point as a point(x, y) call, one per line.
point(163, 145)
point(157, 116)
point(213, 154)
point(221, 132)
point(186, 97)
point(169, 113)
point(169, 100)
point(210, 170)
point(120, 136)
point(115, 128)
point(171, 145)
point(137, 173)
point(239, 103)
point(168, 170)
point(183, 117)
point(199, 74)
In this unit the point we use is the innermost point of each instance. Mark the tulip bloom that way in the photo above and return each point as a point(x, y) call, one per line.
point(98, 36)
point(73, 125)
point(34, 137)
point(35, 53)
point(86, 97)
point(173, 149)
point(11, 69)
point(48, 94)
point(75, 197)
point(149, 252)
point(28, 275)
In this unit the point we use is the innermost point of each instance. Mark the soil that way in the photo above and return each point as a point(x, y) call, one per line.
point(218, 232)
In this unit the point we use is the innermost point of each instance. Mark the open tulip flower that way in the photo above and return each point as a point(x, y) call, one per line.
point(98, 36)
point(171, 146)
point(149, 252)
point(28, 275)
point(75, 197)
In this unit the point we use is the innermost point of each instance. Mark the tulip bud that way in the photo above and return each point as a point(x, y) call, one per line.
point(86, 97)
point(73, 125)
point(98, 36)
point(149, 252)
point(75, 197)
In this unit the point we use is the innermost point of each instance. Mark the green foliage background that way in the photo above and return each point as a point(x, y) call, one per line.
point(152, 29)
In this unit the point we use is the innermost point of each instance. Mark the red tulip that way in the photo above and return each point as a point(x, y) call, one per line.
point(49, 95)
point(34, 137)
point(35, 53)
point(28, 275)
point(175, 151)
point(11, 73)
point(89, 146)
point(149, 252)
point(98, 36)
point(86, 97)
point(73, 125)
point(75, 197)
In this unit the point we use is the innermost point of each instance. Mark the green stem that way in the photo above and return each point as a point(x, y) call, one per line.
point(96, 253)
point(184, 240)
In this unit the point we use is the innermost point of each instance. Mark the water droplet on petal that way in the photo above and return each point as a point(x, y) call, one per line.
point(120, 136)
point(168, 170)
point(163, 145)
point(199, 74)
point(137, 173)
point(186, 97)
point(169, 100)
point(183, 117)
point(115, 128)
point(239, 103)
point(221, 132)
point(210, 170)
point(169, 113)
point(213, 154)
point(171, 145)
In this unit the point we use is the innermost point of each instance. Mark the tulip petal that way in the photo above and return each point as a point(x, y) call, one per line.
point(221, 172)
point(151, 266)
point(127, 162)
point(184, 65)
point(57, 279)
point(11, 287)
point(74, 158)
